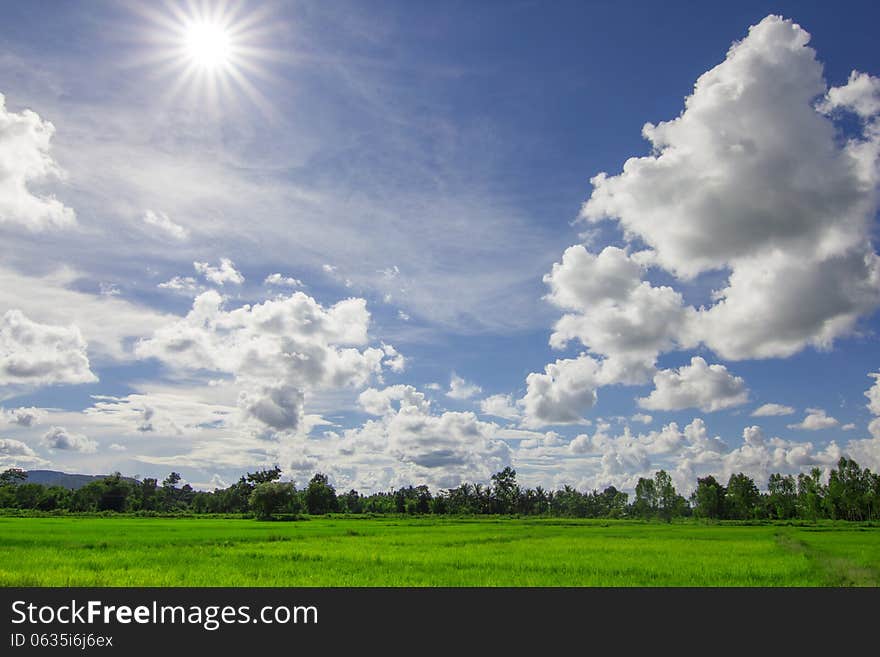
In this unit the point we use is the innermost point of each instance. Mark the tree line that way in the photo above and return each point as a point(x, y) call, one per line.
point(850, 493)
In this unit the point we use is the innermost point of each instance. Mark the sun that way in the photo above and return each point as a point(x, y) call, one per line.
point(213, 54)
point(208, 45)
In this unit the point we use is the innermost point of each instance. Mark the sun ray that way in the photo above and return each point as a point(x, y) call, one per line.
point(211, 53)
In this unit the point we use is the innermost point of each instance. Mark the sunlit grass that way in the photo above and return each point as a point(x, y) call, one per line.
point(428, 552)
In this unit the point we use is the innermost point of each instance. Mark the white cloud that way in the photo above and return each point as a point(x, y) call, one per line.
point(751, 177)
point(602, 459)
point(770, 410)
point(800, 299)
point(279, 406)
point(873, 394)
point(171, 411)
point(24, 158)
point(461, 389)
point(161, 221)
point(815, 420)
point(502, 406)
point(848, 427)
point(276, 350)
point(16, 454)
point(107, 323)
point(23, 416)
point(225, 273)
point(61, 438)
point(283, 281)
point(441, 450)
point(724, 181)
point(185, 285)
point(39, 354)
point(861, 94)
point(381, 402)
point(642, 417)
point(617, 315)
point(751, 181)
point(698, 385)
point(563, 393)
point(394, 360)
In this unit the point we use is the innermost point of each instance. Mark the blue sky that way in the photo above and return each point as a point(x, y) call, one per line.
point(415, 173)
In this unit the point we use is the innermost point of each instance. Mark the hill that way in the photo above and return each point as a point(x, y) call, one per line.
point(54, 478)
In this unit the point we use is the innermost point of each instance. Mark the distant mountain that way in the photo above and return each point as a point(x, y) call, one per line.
point(53, 478)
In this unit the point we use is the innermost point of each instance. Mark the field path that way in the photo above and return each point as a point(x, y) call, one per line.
point(835, 569)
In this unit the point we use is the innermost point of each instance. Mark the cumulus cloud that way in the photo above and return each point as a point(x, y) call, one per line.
point(225, 273)
point(461, 389)
point(698, 385)
point(276, 350)
point(394, 360)
point(382, 402)
point(163, 223)
point(616, 314)
point(23, 416)
point(563, 393)
point(16, 454)
point(861, 94)
point(107, 323)
point(605, 458)
point(39, 354)
point(873, 405)
point(172, 411)
point(185, 285)
point(24, 159)
point(724, 181)
point(61, 438)
point(873, 394)
point(278, 406)
point(751, 178)
point(770, 410)
point(642, 417)
point(751, 182)
point(442, 450)
point(815, 420)
point(282, 281)
point(502, 406)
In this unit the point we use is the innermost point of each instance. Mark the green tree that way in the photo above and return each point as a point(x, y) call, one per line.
point(271, 497)
point(743, 498)
point(54, 497)
point(505, 490)
point(320, 495)
point(669, 503)
point(811, 493)
point(849, 490)
point(708, 498)
point(645, 504)
point(149, 497)
point(782, 496)
point(261, 476)
point(12, 476)
point(27, 496)
point(170, 493)
point(114, 493)
point(351, 502)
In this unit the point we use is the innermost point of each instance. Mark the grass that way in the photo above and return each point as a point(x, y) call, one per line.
point(430, 552)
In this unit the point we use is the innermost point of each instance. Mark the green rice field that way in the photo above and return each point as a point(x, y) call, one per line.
point(332, 551)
